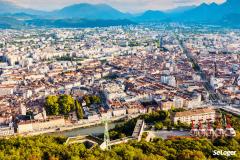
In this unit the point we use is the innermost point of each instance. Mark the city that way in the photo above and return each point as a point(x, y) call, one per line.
point(135, 91)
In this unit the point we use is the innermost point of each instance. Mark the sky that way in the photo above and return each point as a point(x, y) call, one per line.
point(123, 5)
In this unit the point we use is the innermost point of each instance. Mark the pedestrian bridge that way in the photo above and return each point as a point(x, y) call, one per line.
point(136, 135)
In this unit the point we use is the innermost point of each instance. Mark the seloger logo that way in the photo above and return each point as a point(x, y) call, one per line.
point(224, 153)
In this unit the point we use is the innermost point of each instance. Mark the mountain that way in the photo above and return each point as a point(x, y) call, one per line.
point(210, 13)
point(151, 16)
point(84, 15)
point(231, 20)
point(7, 7)
point(74, 16)
point(180, 9)
point(77, 23)
point(230, 7)
point(10, 23)
point(89, 11)
point(20, 16)
point(203, 13)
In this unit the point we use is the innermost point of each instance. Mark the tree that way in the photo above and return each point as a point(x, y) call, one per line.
point(86, 98)
point(66, 103)
point(192, 155)
point(54, 147)
point(95, 99)
point(79, 110)
point(169, 128)
point(163, 115)
point(167, 122)
point(158, 126)
point(51, 105)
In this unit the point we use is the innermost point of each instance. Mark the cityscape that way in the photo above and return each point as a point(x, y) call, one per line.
point(88, 81)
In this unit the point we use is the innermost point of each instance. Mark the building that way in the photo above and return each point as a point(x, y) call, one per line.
point(6, 131)
point(196, 114)
point(166, 105)
point(113, 91)
point(119, 112)
point(29, 126)
point(178, 102)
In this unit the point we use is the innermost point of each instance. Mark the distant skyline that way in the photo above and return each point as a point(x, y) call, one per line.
point(132, 6)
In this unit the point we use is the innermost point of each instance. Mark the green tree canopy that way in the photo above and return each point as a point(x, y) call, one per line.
point(79, 109)
point(66, 103)
point(158, 126)
point(52, 106)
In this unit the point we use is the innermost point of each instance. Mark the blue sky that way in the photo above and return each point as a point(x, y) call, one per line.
point(123, 5)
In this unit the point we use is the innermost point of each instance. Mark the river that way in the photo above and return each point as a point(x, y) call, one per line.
point(93, 130)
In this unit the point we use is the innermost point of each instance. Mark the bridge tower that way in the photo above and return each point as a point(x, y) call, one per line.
point(106, 135)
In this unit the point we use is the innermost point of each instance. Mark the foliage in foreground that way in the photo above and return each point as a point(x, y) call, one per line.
point(53, 148)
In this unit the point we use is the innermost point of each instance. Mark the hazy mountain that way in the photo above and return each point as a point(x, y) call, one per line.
point(151, 16)
point(77, 23)
point(230, 7)
point(180, 9)
point(26, 22)
point(74, 16)
point(8, 7)
point(85, 14)
point(210, 13)
point(90, 11)
point(10, 23)
point(20, 16)
point(231, 20)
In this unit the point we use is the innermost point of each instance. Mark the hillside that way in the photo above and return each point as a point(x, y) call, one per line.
point(77, 23)
point(151, 16)
point(10, 23)
point(89, 11)
point(210, 13)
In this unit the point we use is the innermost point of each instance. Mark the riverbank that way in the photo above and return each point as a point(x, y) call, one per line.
point(93, 130)
point(80, 125)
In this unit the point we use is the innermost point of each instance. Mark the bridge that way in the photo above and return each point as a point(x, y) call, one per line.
point(136, 135)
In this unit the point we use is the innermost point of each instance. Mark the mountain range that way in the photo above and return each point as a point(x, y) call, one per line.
point(210, 13)
point(7, 7)
point(85, 10)
point(85, 14)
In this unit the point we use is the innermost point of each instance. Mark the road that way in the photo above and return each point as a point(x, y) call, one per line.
point(213, 96)
point(227, 108)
